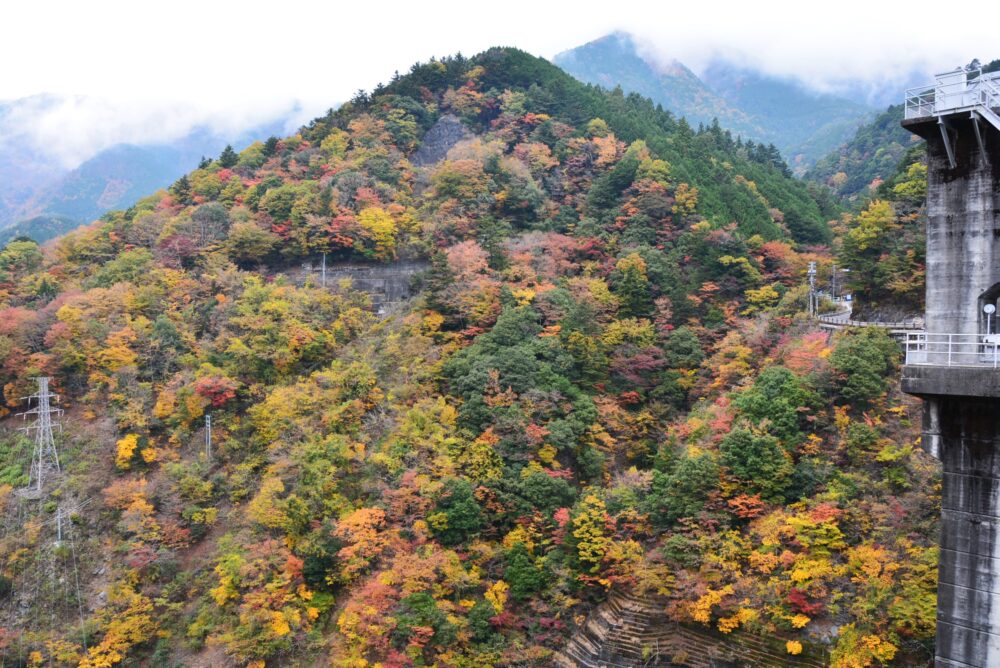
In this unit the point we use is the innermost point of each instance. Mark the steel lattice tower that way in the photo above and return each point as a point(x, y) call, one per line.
point(44, 456)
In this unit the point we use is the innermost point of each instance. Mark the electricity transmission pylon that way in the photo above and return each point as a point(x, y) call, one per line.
point(44, 456)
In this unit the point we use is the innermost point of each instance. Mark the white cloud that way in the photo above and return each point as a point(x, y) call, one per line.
point(141, 70)
point(73, 128)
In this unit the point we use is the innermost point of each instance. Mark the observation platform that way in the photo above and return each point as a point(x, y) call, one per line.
point(959, 95)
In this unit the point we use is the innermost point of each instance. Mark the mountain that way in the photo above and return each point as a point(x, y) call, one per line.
point(803, 124)
point(23, 167)
point(614, 60)
point(872, 155)
point(606, 381)
point(40, 228)
point(35, 187)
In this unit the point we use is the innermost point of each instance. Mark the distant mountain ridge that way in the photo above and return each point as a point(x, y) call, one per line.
point(22, 165)
point(614, 60)
point(802, 124)
point(41, 198)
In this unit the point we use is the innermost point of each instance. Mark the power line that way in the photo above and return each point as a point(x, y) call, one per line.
point(44, 455)
point(79, 596)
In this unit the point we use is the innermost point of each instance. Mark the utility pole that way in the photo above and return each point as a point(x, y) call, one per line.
point(812, 289)
point(58, 526)
point(208, 436)
point(833, 282)
point(44, 455)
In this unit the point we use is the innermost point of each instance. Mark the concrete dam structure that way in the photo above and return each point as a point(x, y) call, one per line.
point(954, 365)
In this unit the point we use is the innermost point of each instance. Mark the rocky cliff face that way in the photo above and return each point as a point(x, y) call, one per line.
point(444, 134)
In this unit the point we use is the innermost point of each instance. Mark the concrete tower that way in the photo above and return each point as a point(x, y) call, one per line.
point(955, 365)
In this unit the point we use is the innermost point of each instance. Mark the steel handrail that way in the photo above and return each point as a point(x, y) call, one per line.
point(976, 89)
point(942, 349)
point(833, 319)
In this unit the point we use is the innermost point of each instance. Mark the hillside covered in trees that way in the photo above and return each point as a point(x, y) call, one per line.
point(884, 245)
point(856, 169)
point(802, 123)
point(607, 380)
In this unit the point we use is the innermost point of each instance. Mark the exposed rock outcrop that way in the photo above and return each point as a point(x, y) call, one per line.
point(442, 136)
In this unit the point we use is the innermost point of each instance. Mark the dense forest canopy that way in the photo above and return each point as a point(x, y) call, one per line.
point(606, 381)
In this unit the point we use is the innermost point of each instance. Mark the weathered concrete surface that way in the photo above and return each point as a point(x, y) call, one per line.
point(962, 405)
point(387, 284)
point(968, 630)
point(963, 226)
point(953, 381)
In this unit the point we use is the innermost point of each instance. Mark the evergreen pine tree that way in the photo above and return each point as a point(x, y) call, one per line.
point(270, 146)
point(228, 158)
point(182, 190)
point(437, 281)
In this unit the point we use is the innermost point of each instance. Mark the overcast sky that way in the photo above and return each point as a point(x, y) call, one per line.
point(149, 70)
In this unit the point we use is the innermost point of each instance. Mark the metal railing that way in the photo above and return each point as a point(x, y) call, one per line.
point(843, 319)
point(919, 103)
point(969, 350)
point(959, 90)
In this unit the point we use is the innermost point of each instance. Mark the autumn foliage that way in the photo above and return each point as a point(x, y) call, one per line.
point(605, 381)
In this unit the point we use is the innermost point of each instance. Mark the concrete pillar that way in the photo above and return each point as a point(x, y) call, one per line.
point(968, 631)
point(962, 404)
point(963, 226)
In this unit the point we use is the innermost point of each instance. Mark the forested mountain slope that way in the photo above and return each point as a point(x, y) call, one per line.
point(614, 61)
point(803, 124)
point(860, 166)
point(884, 245)
point(607, 381)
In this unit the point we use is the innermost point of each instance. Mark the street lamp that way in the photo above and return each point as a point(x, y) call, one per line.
point(841, 282)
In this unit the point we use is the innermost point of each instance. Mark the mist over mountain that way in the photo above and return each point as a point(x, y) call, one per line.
point(42, 197)
point(804, 124)
point(614, 60)
point(22, 164)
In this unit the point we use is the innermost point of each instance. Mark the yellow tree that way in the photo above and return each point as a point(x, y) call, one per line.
point(381, 229)
point(592, 542)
